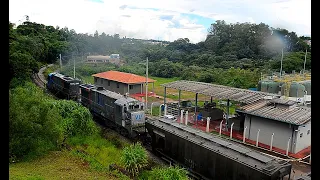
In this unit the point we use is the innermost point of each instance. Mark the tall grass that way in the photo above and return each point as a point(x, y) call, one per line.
point(165, 173)
point(95, 150)
point(134, 158)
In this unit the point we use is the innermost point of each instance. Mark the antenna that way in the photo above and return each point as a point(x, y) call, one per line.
point(60, 62)
point(74, 67)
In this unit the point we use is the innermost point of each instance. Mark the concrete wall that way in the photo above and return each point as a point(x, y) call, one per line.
point(123, 88)
point(282, 131)
point(304, 141)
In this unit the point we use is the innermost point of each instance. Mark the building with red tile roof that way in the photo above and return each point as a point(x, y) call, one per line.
point(122, 82)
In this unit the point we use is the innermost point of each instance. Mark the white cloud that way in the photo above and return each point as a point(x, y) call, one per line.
point(139, 19)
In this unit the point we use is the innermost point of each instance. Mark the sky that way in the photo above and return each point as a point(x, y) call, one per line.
point(162, 19)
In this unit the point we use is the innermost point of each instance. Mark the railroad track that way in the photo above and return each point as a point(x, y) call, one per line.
point(39, 79)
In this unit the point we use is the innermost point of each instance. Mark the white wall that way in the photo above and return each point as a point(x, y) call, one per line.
point(304, 141)
point(282, 131)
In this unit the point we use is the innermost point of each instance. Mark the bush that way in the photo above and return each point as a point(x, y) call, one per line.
point(165, 173)
point(134, 158)
point(77, 120)
point(38, 123)
point(32, 122)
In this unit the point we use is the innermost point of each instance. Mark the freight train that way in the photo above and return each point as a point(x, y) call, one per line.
point(205, 156)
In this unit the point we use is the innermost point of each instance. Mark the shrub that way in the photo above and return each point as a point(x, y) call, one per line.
point(32, 122)
point(38, 123)
point(134, 158)
point(168, 173)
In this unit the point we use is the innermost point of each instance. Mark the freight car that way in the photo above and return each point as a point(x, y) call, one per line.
point(63, 86)
point(211, 157)
point(121, 112)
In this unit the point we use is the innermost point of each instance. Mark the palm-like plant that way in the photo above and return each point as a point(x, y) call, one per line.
point(134, 158)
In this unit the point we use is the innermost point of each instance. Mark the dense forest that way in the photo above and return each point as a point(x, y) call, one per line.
point(231, 53)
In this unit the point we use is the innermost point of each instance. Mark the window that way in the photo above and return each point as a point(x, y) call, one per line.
point(130, 86)
point(95, 79)
point(301, 134)
point(101, 81)
point(117, 85)
point(308, 132)
point(108, 83)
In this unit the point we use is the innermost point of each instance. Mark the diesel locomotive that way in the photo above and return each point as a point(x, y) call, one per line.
point(118, 111)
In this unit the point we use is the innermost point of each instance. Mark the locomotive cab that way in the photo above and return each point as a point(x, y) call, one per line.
point(133, 112)
point(130, 114)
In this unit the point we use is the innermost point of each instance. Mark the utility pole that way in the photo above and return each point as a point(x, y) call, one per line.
point(74, 67)
point(281, 62)
point(60, 62)
point(305, 60)
point(147, 85)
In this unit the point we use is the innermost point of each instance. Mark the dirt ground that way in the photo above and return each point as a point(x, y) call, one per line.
point(298, 169)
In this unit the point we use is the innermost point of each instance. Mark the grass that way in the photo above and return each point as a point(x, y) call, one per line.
point(155, 111)
point(88, 79)
point(89, 158)
point(172, 93)
point(99, 152)
point(55, 165)
point(50, 70)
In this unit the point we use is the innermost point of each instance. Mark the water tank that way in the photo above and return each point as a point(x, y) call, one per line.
point(296, 90)
point(263, 86)
point(259, 86)
point(273, 87)
point(307, 85)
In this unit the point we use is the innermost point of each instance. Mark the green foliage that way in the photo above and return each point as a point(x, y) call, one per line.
point(165, 68)
point(38, 123)
point(31, 45)
point(50, 70)
point(114, 139)
point(134, 158)
point(97, 151)
point(165, 173)
point(77, 120)
point(292, 61)
point(32, 122)
point(240, 45)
